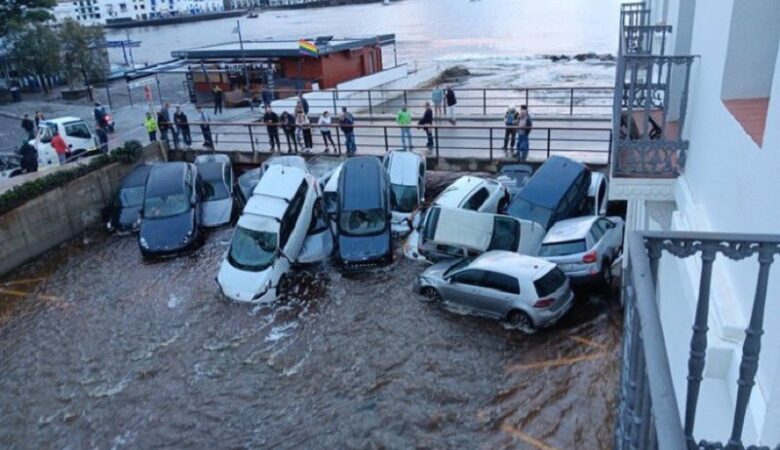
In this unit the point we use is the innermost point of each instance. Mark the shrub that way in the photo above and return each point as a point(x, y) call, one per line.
point(129, 153)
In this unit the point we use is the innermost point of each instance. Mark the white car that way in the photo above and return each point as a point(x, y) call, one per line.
point(475, 194)
point(598, 194)
point(451, 233)
point(287, 161)
point(216, 171)
point(407, 187)
point(269, 235)
point(329, 183)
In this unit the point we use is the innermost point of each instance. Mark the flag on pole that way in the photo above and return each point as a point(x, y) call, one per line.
point(307, 48)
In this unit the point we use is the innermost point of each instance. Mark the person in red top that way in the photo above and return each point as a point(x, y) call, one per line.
point(59, 145)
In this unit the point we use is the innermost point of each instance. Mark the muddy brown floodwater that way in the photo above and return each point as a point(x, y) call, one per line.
point(99, 349)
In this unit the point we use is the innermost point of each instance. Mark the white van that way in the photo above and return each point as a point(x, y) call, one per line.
point(451, 233)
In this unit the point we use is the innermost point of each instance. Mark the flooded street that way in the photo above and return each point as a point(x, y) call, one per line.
point(102, 350)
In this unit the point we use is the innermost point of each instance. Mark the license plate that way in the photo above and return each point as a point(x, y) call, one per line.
point(568, 266)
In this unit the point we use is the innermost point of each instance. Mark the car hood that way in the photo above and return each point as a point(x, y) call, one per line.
point(437, 270)
point(240, 285)
point(357, 249)
point(317, 247)
point(217, 212)
point(124, 219)
point(167, 233)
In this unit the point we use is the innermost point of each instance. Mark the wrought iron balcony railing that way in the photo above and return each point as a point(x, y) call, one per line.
point(649, 417)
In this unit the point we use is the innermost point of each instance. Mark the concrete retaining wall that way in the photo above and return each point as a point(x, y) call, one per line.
point(59, 215)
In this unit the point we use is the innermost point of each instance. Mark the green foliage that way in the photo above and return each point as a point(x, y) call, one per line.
point(17, 13)
point(35, 49)
point(23, 193)
point(84, 56)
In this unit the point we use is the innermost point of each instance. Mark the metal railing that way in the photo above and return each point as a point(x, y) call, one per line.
point(650, 101)
point(649, 416)
point(591, 145)
point(584, 100)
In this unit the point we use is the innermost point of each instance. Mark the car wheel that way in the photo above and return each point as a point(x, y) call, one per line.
point(431, 294)
point(606, 274)
point(521, 321)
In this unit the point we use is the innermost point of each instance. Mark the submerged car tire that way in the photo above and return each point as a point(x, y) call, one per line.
point(431, 294)
point(521, 321)
point(606, 274)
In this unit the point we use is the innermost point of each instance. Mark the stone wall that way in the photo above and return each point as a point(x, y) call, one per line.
point(61, 214)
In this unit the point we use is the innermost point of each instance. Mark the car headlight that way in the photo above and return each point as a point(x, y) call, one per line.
point(187, 237)
point(263, 292)
point(143, 242)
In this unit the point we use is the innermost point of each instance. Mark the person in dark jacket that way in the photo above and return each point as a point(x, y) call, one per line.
point(181, 122)
point(287, 121)
point(28, 126)
point(271, 120)
point(347, 125)
point(304, 103)
point(100, 115)
point(266, 96)
point(102, 133)
point(451, 101)
point(38, 119)
point(29, 156)
point(425, 123)
point(217, 91)
point(164, 124)
point(511, 118)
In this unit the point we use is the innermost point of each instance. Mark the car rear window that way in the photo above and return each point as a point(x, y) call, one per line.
point(549, 282)
point(563, 248)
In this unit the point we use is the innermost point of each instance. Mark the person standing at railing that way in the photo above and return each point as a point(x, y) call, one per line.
point(449, 94)
point(271, 120)
point(404, 120)
point(151, 127)
point(217, 91)
point(437, 96)
point(510, 121)
point(324, 122)
point(303, 103)
point(347, 123)
point(287, 121)
point(425, 123)
point(183, 125)
point(525, 124)
point(164, 122)
point(304, 124)
point(205, 128)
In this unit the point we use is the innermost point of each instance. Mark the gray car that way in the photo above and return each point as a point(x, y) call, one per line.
point(218, 184)
point(585, 248)
point(525, 292)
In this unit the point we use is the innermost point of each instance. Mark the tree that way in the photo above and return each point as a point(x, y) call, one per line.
point(84, 55)
point(35, 49)
point(22, 12)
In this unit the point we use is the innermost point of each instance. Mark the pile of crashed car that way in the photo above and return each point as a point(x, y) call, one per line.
point(509, 248)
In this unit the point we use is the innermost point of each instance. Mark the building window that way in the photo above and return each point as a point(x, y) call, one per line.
point(750, 63)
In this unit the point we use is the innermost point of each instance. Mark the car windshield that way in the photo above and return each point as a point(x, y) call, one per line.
point(363, 222)
point(248, 181)
point(458, 265)
point(550, 282)
point(131, 197)
point(506, 234)
point(403, 198)
point(252, 250)
point(563, 248)
point(523, 209)
point(215, 190)
point(165, 206)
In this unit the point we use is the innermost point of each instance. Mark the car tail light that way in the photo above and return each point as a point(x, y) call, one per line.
point(544, 303)
point(590, 257)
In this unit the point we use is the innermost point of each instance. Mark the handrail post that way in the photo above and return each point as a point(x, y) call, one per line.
point(484, 102)
point(252, 143)
point(491, 144)
point(571, 102)
point(335, 108)
point(387, 145)
point(436, 136)
point(548, 142)
point(526, 98)
point(338, 140)
point(370, 107)
point(406, 102)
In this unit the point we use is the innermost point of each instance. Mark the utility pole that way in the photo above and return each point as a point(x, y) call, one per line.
point(243, 58)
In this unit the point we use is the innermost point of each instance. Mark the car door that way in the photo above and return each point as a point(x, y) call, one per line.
point(613, 236)
point(421, 181)
point(318, 244)
point(497, 293)
point(463, 289)
point(296, 221)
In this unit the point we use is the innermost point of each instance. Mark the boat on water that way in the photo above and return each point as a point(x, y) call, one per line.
point(252, 15)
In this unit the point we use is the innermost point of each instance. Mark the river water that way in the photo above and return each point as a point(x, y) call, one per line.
point(102, 350)
point(501, 40)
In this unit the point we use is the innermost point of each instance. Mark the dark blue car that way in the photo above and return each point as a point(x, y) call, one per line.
point(124, 213)
point(363, 215)
point(557, 191)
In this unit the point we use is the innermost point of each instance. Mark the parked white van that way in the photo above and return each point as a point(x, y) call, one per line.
point(269, 235)
point(452, 233)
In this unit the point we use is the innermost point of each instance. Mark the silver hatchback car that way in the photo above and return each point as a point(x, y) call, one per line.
point(527, 293)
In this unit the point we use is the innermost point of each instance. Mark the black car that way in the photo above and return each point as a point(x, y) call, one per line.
point(363, 215)
point(123, 215)
point(557, 191)
point(171, 214)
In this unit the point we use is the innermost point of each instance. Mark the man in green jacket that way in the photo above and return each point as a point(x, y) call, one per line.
point(404, 119)
point(151, 127)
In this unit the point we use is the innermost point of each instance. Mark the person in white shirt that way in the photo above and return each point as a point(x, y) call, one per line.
point(324, 123)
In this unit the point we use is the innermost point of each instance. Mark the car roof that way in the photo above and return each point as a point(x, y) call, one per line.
point(403, 167)
point(512, 264)
point(263, 206)
point(360, 183)
point(569, 229)
point(287, 161)
point(453, 196)
point(462, 228)
point(166, 178)
point(280, 182)
point(138, 176)
point(551, 181)
point(65, 119)
point(214, 158)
